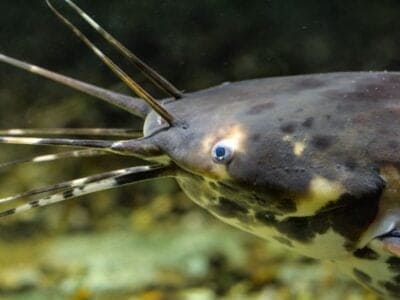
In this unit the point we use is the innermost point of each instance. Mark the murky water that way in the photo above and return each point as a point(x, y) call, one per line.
point(148, 241)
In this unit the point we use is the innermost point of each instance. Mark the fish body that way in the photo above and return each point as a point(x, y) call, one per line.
point(316, 163)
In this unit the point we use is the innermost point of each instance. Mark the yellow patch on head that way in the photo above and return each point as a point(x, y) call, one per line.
point(321, 192)
point(232, 135)
point(298, 148)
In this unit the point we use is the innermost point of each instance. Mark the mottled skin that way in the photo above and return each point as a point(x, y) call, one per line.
point(316, 165)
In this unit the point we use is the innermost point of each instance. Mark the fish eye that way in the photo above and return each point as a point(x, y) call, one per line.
point(222, 152)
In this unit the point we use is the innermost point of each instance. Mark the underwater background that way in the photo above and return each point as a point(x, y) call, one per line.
point(148, 241)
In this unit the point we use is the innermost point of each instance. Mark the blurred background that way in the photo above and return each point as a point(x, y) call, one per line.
point(149, 241)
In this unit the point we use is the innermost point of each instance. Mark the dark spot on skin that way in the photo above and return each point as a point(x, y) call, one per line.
point(308, 123)
point(322, 142)
point(259, 108)
point(362, 276)
point(255, 137)
point(213, 185)
point(289, 127)
point(393, 145)
point(394, 264)
point(396, 279)
point(366, 253)
point(369, 89)
point(310, 83)
point(260, 201)
point(350, 164)
point(308, 260)
point(392, 288)
point(351, 221)
point(349, 218)
point(286, 205)
point(68, 193)
point(228, 208)
point(283, 241)
point(34, 203)
point(301, 229)
point(297, 228)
